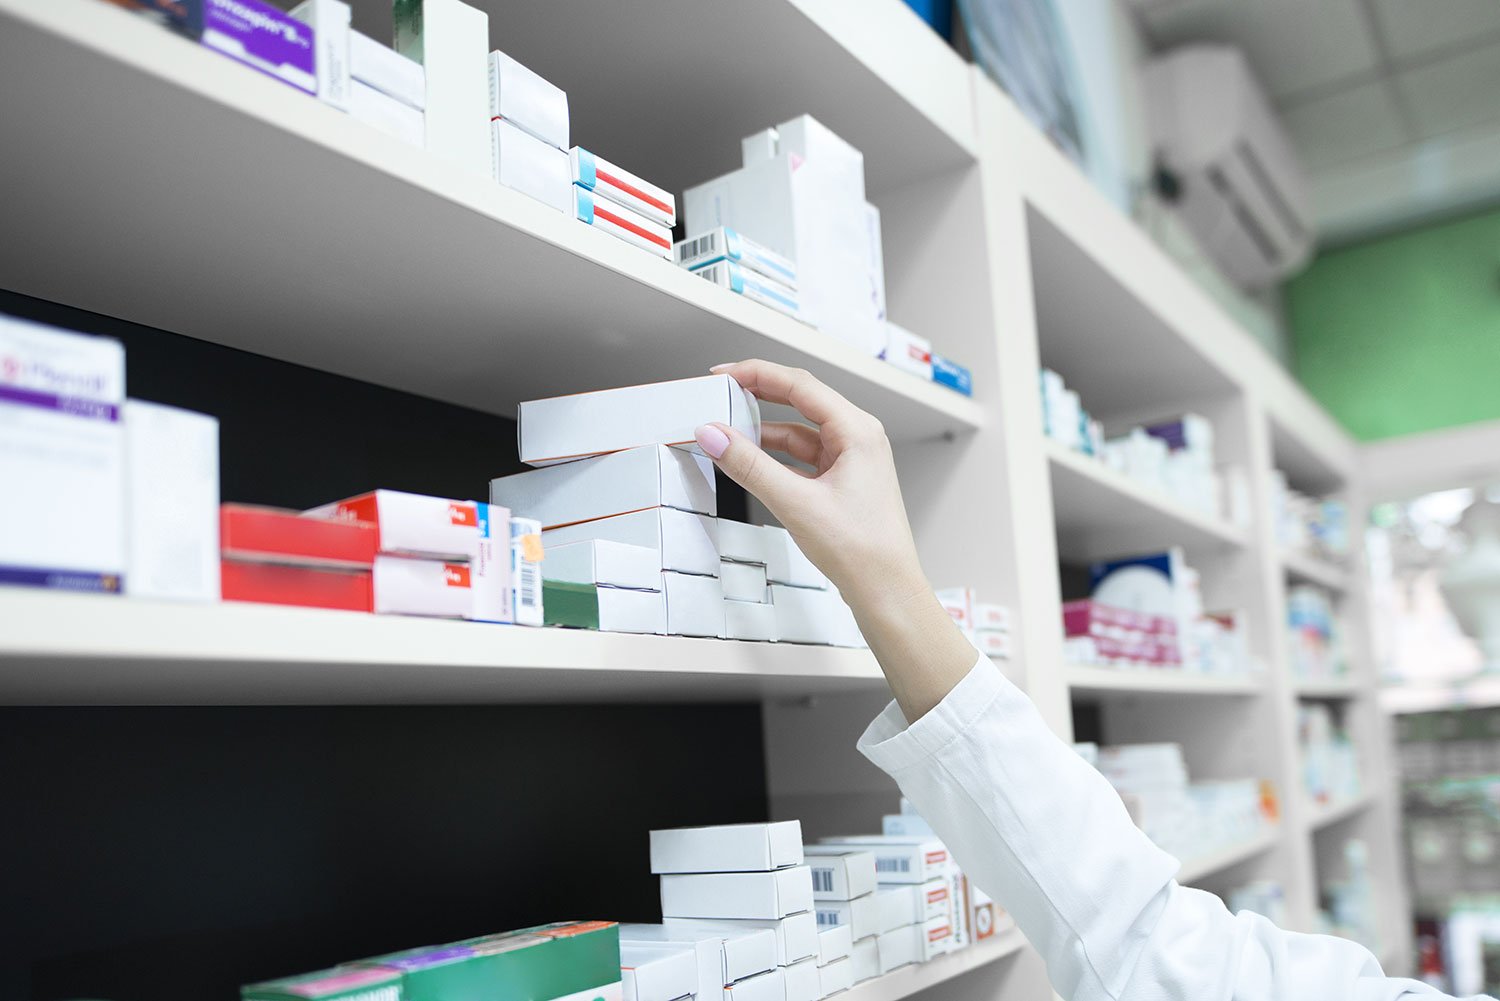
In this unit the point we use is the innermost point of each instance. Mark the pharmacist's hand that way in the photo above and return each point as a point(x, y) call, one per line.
point(847, 516)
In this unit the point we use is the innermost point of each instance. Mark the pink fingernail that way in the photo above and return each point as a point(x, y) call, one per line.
point(721, 366)
point(712, 440)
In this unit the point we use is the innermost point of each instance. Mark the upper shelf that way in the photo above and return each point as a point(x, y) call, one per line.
point(297, 232)
point(72, 649)
point(1102, 513)
point(1106, 681)
point(1311, 570)
point(1197, 869)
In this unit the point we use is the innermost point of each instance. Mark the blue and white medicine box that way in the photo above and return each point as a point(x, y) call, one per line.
point(946, 372)
point(725, 244)
point(727, 274)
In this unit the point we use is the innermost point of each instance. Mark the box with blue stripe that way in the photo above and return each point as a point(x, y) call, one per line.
point(724, 244)
point(727, 274)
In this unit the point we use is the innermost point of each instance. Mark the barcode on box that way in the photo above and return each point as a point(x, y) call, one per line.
point(893, 864)
point(690, 249)
point(827, 919)
point(529, 594)
point(822, 880)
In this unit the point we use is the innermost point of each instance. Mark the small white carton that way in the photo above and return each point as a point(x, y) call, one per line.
point(913, 902)
point(907, 351)
point(62, 458)
point(726, 954)
point(406, 586)
point(436, 528)
point(787, 564)
point(866, 959)
point(329, 20)
point(599, 561)
point(802, 981)
point(906, 825)
point(807, 615)
point(937, 937)
point(524, 163)
point(723, 243)
point(901, 859)
point(626, 610)
point(596, 174)
point(894, 907)
point(839, 873)
point(992, 643)
point(695, 604)
point(490, 570)
point(834, 943)
point(901, 947)
point(684, 542)
point(810, 140)
point(528, 100)
point(751, 948)
point(610, 420)
point(750, 620)
point(658, 972)
point(753, 286)
point(761, 895)
point(526, 556)
point(621, 223)
point(743, 581)
point(862, 915)
point(706, 950)
point(988, 615)
point(727, 848)
point(171, 503)
point(386, 114)
point(450, 39)
point(742, 543)
point(388, 71)
point(796, 935)
point(768, 986)
point(605, 485)
point(837, 976)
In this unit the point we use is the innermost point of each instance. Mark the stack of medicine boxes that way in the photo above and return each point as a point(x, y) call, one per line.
point(844, 895)
point(608, 473)
point(435, 556)
point(744, 552)
point(529, 133)
point(740, 264)
point(731, 964)
point(358, 75)
point(621, 204)
point(986, 625)
point(976, 916)
point(914, 916)
point(743, 876)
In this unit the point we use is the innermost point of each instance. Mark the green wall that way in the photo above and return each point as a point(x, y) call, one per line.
point(1402, 334)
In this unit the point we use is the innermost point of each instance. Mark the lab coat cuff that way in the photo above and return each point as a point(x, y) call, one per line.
point(893, 745)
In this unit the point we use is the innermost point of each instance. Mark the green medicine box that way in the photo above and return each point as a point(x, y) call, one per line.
point(345, 983)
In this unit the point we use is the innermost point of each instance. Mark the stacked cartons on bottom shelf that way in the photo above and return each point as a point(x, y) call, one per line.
point(843, 883)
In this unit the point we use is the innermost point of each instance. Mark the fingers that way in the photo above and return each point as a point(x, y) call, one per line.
point(797, 440)
point(742, 461)
point(793, 386)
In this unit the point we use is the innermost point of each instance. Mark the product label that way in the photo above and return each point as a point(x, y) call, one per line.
point(456, 575)
point(463, 514)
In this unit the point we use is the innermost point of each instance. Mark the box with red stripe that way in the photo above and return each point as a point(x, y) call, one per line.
point(621, 222)
point(604, 179)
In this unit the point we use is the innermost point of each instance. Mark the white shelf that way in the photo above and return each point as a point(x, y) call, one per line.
point(1326, 688)
point(1311, 570)
point(1103, 513)
point(1157, 681)
point(1321, 815)
point(1203, 866)
point(71, 649)
point(910, 980)
point(299, 233)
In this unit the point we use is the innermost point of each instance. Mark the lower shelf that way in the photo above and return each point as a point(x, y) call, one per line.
point(1203, 866)
point(1321, 815)
point(910, 979)
point(73, 649)
point(1159, 681)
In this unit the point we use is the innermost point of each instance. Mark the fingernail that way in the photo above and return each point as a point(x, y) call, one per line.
point(721, 366)
point(712, 440)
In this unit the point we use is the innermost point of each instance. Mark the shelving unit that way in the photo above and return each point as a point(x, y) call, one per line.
point(392, 268)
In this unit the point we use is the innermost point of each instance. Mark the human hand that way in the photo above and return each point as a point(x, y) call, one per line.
point(846, 515)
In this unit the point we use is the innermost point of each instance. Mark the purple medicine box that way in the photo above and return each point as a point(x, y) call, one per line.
point(261, 36)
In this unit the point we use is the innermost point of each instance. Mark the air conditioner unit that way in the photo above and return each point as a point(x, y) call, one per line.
point(1243, 192)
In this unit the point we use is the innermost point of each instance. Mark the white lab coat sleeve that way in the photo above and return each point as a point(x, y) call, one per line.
point(1040, 830)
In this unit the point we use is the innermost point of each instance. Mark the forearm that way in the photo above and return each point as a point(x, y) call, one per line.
point(923, 653)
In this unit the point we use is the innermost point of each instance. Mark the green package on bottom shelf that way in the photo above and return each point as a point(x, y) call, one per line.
point(565, 961)
point(341, 984)
point(567, 604)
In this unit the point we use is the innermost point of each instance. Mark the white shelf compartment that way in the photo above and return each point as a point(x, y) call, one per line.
point(1100, 512)
point(1322, 815)
point(1157, 681)
point(1306, 569)
point(73, 649)
point(911, 980)
point(302, 234)
point(1326, 688)
point(1203, 866)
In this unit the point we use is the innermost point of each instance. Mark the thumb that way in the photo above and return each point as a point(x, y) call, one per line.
point(747, 464)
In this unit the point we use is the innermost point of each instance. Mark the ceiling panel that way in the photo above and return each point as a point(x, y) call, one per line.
point(1345, 125)
point(1454, 93)
point(1413, 28)
point(1294, 45)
